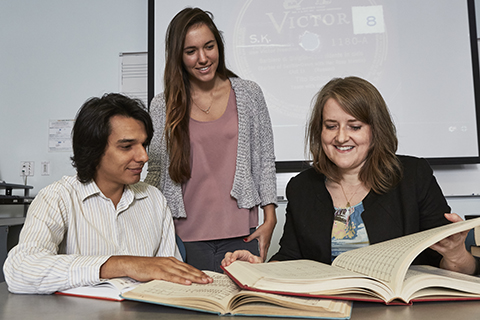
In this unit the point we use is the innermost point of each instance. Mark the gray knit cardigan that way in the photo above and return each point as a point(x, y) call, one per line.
point(255, 180)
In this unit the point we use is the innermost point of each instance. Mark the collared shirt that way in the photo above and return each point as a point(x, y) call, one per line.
point(71, 229)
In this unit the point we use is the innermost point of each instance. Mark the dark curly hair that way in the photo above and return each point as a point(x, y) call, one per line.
point(92, 128)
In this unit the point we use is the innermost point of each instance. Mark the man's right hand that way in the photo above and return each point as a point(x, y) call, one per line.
point(152, 268)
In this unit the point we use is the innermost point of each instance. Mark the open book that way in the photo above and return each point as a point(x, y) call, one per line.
point(223, 296)
point(108, 289)
point(380, 272)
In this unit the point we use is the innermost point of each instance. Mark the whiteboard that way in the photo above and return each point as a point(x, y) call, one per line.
point(417, 53)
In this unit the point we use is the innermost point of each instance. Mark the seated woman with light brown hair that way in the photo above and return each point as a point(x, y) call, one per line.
point(358, 191)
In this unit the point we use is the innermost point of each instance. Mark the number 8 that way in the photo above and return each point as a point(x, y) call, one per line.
point(371, 21)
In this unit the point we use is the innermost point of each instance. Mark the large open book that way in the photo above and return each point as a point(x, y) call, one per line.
point(108, 289)
point(381, 272)
point(223, 296)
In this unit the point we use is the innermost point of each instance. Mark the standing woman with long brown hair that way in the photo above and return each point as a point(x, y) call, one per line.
point(212, 153)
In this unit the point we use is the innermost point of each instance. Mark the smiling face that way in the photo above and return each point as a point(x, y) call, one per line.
point(345, 140)
point(124, 155)
point(200, 54)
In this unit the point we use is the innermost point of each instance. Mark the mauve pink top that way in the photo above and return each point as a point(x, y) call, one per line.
point(212, 213)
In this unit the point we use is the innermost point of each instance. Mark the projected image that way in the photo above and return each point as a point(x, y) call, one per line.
point(417, 53)
point(300, 45)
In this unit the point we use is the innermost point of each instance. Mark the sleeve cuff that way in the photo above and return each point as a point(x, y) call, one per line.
point(85, 270)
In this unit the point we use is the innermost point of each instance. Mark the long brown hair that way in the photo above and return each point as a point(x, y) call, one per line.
point(382, 170)
point(177, 87)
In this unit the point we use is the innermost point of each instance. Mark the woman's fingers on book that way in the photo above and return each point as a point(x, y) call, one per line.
point(453, 217)
point(255, 259)
point(452, 245)
point(242, 255)
point(452, 248)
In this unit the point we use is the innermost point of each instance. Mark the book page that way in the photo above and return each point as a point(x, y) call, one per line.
point(388, 261)
point(303, 303)
point(108, 288)
point(261, 303)
point(265, 309)
point(305, 277)
point(419, 278)
point(212, 297)
point(122, 284)
point(298, 271)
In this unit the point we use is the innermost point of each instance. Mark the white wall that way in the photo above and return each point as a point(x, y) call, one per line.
point(54, 55)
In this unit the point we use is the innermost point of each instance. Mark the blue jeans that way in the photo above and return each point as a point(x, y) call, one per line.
point(208, 255)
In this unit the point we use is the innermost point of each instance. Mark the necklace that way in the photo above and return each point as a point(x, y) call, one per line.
point(348, 200)
point(206, 111)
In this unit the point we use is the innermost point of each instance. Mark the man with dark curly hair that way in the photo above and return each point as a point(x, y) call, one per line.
point(103, 222)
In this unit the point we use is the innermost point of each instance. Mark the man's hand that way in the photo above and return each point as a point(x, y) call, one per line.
point(152, 268)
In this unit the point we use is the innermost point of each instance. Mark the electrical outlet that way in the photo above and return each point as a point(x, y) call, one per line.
point(27, 168)
point(45, 168)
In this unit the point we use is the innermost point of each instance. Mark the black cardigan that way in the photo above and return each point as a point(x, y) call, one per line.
point(415, 204)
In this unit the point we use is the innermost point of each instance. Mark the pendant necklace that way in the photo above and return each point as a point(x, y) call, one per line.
point(348, 201)
point(206, 111)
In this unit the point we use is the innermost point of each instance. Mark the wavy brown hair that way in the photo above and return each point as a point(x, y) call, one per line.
point(382, 170)
point(177, 87)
